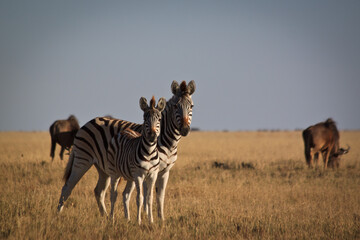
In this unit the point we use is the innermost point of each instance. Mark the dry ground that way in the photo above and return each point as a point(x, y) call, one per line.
point(263, 190)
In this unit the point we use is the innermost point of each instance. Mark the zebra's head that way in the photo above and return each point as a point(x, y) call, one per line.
point(152, 117)
point(182, 105)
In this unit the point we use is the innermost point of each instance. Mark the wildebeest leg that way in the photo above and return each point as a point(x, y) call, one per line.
point(308, 158)
point(311, 162)
point(100, 190)
point(323, 154)
point(52, 150)
point(79, 168)
point(316, 159)
point(326, 159)
point(62, 152)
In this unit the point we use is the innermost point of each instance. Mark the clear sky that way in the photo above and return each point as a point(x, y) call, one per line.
point(257, 64)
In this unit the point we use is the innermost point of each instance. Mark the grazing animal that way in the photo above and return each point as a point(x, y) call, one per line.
point(323, 138)
point(128, 154)
point(63, 133)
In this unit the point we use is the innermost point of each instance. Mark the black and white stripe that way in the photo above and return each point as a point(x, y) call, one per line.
point(175, 122)
point(117, 153)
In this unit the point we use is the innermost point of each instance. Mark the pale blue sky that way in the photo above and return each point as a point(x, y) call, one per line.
point(257, 64)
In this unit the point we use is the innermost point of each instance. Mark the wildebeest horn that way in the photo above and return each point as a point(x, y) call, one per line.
point(344, 151)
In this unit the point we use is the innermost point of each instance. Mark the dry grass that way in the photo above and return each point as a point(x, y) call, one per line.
point(263, 190)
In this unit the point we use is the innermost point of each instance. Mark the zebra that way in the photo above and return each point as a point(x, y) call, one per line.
point(127, 154)
point(175, 123)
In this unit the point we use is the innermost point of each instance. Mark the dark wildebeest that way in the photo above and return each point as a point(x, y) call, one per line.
point(63, 133)
point(323, 138)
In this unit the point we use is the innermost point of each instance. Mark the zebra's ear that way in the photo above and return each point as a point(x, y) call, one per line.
point(174, 87)
point(191, 87)
point(161, 104)
point(143, 104)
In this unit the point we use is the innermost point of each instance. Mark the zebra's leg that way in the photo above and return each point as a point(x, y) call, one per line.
point(145, 190)
point(100, 190)
point(139, 198)
point(160, 184)
point(114, 194)
point(79, 168)
point(62, 152)
point(150, 182)
point(130, 186)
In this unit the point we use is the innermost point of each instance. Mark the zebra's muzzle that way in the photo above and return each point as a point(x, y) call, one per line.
point(152, 135)
point(153, 130)
point(152, 138)
point(185, 127)
point(184, 131)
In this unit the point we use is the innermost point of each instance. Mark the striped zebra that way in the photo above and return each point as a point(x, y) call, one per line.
point(175, 123)
point(125, 153)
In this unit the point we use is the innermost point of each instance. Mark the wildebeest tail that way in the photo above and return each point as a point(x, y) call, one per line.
point(51, 129)
point(53, 143)
point(69, 166)
point(306, 134)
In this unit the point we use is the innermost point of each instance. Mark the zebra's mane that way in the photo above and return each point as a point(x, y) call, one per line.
point(152, 102)
point(129, 133)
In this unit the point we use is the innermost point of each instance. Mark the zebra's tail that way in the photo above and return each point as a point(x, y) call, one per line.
point(69, 166)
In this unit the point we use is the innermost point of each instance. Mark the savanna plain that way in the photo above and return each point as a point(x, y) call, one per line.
point(225, 185)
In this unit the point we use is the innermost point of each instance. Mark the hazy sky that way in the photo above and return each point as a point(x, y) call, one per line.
point(257, 64)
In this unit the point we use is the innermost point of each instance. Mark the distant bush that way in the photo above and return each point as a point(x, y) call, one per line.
point(242, 165)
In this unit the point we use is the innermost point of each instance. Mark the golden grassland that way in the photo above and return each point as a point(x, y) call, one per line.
point(262, 191)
